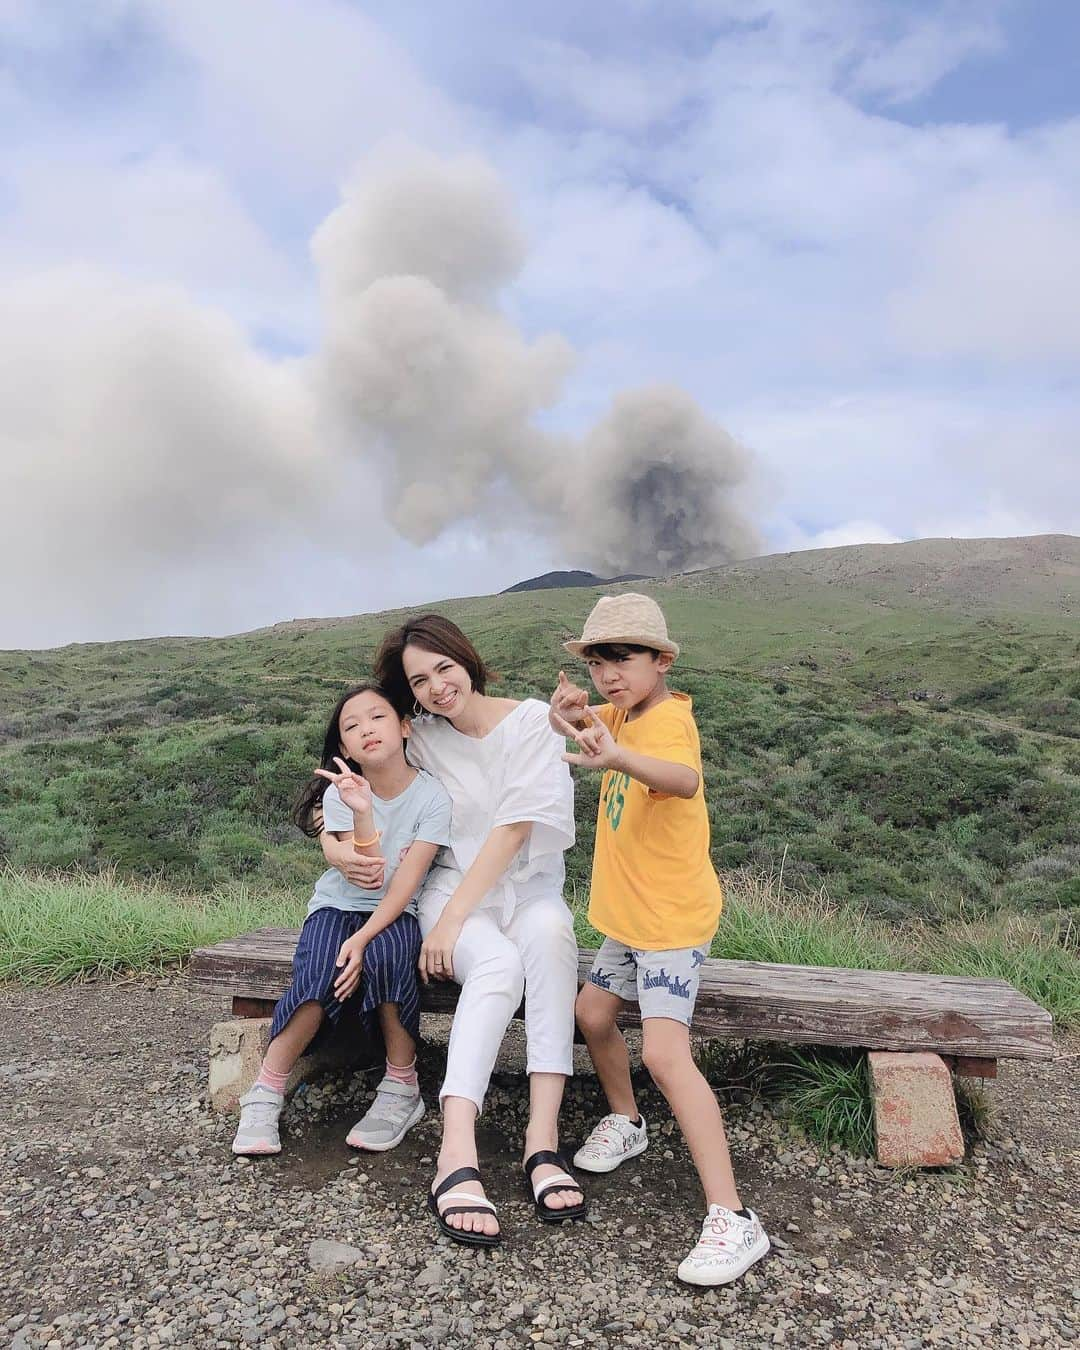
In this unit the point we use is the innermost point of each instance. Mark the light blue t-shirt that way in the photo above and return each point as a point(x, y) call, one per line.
point(422, 812)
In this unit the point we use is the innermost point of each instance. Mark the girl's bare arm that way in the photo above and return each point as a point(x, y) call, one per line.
point(361, 870)
point(404, 884)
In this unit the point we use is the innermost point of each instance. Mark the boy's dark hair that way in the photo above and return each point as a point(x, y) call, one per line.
point(615, 651)
point(307, 811)
point(431, 633)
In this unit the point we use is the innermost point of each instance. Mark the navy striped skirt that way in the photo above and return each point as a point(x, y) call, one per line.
point(389, 974)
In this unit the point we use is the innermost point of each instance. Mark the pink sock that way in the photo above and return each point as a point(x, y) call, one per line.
point(403, 1073)
point(275, 1081)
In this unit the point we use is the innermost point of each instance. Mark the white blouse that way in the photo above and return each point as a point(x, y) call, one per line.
point(514, 773)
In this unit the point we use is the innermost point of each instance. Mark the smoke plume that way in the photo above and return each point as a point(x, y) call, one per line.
point(660, 476)
point(419, 359)
point(415, 354)
point(155, 466)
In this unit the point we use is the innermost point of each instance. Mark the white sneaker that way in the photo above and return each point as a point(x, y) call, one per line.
point(729, 1245)
point(614, 1140)
point(393, 1113)
point(260, 1108)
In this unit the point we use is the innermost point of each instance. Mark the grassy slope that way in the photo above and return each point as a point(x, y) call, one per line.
point(182, 754)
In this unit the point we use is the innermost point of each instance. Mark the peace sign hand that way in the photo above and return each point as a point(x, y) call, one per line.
point(353, 788)
point(568, 700)
point(599, 749)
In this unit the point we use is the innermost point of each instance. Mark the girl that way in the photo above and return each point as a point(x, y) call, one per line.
point(494, 919)
point(358, 949)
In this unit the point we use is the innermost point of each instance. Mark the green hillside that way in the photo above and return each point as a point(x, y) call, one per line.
point(898, 722)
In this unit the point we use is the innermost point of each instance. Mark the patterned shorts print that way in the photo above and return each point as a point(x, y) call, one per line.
point(662, 984)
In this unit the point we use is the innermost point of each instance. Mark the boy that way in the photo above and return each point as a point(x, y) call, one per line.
point(656, 899)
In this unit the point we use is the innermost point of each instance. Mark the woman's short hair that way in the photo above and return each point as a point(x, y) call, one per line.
point(431, 633)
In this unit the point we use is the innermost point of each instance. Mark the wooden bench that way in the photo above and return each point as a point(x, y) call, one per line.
point(914, 1024)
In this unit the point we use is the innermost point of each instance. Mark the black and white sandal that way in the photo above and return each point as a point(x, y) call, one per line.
point(561, 1181)
point(477, 1204)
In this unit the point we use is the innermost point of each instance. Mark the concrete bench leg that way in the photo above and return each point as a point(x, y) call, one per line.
point(236, 1053)
point(915, 1118)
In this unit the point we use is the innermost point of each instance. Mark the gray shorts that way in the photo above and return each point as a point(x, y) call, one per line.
point(662, 984)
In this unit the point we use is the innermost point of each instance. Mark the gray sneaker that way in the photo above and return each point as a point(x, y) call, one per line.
point(388, 1119)
point(260, 1108)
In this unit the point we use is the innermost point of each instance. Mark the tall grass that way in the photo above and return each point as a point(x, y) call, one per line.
point(1040, 961)
point(827, 1094)
point(765, 921)
point(82, 925)
point(79, 925)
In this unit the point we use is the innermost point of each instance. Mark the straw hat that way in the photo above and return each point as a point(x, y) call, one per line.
point(625, 618)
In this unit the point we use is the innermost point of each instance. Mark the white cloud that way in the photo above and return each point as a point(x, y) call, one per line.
point(933, 45)
point(930, 465)
point(987, 522)
point(608, 92)
point(298, 93)
point(852, 532)
point(159, 217)
point(613, 246)
point(997, 276)
point(144, 444)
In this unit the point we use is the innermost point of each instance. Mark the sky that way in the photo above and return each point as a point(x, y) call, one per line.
point(325, 308)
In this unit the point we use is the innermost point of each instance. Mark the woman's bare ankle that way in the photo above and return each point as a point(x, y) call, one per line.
point(539, 1138)
point(450, 1160)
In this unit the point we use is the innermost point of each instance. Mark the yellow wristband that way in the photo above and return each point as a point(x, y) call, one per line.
point(366, 843)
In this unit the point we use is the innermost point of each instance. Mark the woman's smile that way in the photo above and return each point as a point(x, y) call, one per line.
point(439, 684)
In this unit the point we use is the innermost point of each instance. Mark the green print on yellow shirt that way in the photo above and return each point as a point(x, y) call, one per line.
point(615, 797)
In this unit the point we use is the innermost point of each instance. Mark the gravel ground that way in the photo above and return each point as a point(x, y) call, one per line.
point(126, 1220)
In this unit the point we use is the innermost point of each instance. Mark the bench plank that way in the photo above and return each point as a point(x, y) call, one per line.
point(746, 1000)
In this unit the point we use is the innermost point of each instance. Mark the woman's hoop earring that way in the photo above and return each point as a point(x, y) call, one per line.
point(416, 708)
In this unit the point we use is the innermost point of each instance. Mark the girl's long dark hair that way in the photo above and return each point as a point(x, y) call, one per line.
point(307, 812)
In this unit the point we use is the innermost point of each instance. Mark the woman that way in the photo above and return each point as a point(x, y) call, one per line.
point(493, 918)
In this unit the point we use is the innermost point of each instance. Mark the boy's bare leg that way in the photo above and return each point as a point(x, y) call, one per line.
point(542, 1131)
point(400, 1046)
point(667, 1056)
point(459, 1150)
point(294, 1038)
point(596, 1010)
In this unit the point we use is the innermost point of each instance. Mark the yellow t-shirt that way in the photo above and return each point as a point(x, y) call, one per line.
point(653, 883)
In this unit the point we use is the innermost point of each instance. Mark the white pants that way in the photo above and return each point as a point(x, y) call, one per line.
point(535, 951)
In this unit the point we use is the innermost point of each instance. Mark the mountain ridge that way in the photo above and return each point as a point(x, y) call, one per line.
point(1037, 574)
point(569, 578)
point(842, 566)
